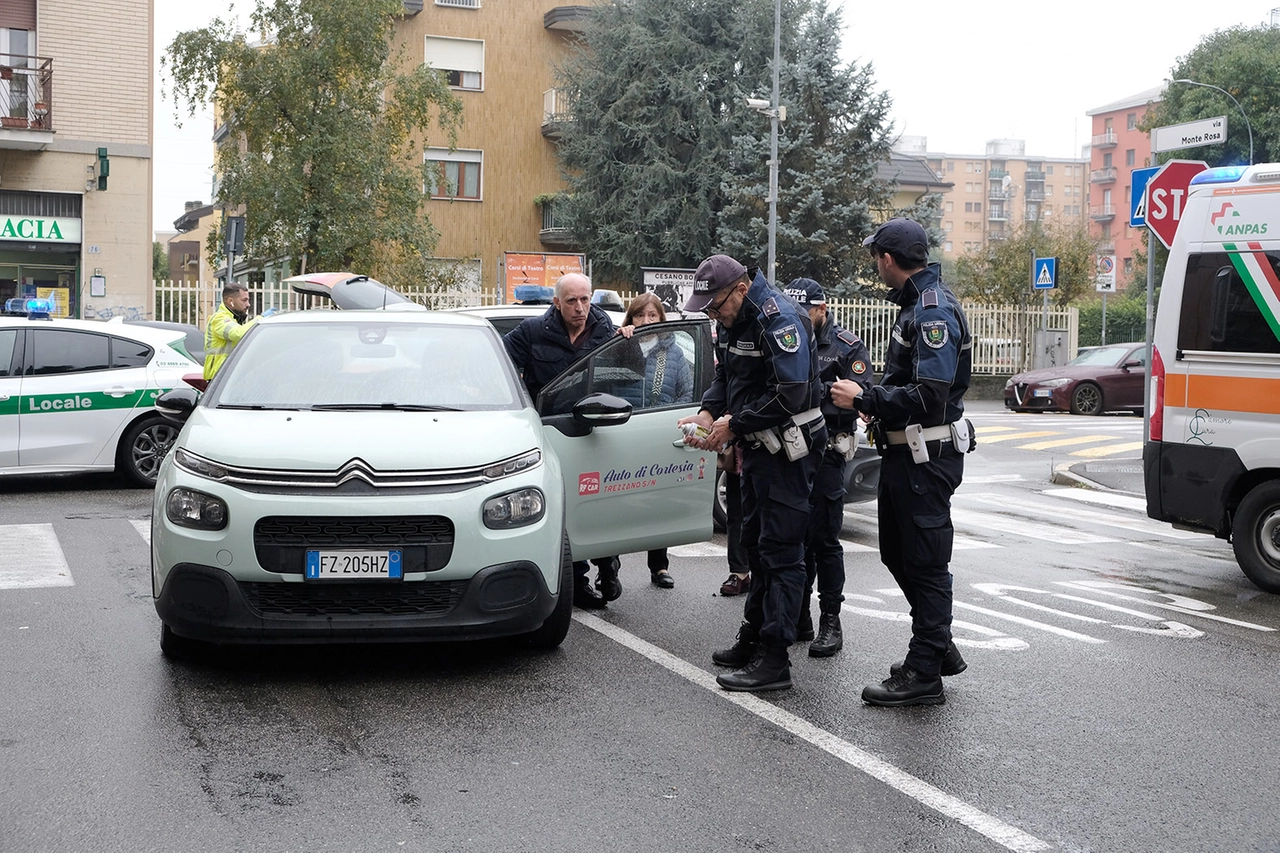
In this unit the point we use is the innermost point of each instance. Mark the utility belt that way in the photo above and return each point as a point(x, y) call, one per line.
point(790, 435)
point(844, 443)
point(916, 438)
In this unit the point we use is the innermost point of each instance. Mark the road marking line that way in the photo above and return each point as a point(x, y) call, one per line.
point(1004, 834)
point(992, 478)
point(1112, 450)
point(1137, 525)
point(960, 543)
point(1175, 608)
point(698, 549)
point(1029, 623)
point(1103, 498)
point(989, 521)
point(30, 557)
point(143, 526)
point(1014, 436)
point(1208, 540)
point(1064, 442)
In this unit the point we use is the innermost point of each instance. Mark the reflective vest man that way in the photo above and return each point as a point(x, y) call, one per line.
point(226, 327)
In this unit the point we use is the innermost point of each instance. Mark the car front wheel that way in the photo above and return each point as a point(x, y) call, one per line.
point(143, 447)
point(1086, 399)
point(1255, 536)
point(552, 632)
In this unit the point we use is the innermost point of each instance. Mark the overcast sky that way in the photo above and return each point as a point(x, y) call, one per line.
point(1026, 72)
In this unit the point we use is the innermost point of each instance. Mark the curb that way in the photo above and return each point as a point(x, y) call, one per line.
point(1064, 476)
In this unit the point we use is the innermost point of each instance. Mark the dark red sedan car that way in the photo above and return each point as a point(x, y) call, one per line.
point(1099, 379)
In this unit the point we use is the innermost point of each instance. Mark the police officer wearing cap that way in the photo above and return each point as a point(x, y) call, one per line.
point(916, 412)
point(765, 396)
point(841, 355)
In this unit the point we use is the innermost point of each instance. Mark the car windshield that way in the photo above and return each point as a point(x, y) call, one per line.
point(369, 365)
point(1100, 357)
point(365, 293)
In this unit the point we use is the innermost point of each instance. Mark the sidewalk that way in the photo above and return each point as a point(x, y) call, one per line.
point(1113, 475)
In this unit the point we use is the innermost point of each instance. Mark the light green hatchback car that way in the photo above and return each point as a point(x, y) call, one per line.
point(369, 476)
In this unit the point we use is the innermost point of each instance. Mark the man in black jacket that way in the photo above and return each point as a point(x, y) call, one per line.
point(543, 348)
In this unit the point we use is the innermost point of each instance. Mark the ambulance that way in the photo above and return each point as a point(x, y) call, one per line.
point(1212, 459)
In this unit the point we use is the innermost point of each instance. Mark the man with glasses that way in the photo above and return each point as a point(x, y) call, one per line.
point(765, 397)
point(917, 418)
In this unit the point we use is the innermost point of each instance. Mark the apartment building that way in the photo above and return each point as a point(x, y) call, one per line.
point(993, 193)
point(75, 161)
point(496, 187)
point(1117, 148)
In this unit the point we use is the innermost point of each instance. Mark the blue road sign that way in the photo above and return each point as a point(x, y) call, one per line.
point(1138, 196)
point(1046, 273)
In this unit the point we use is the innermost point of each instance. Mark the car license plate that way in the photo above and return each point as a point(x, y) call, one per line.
point(1042, 392)
point(354, 565)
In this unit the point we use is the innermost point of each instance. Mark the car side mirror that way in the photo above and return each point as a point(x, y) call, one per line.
point(1133, 362)
point(196, 381)
point(178, 404)
point(598, 409)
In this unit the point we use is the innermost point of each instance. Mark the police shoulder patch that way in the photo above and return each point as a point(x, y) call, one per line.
point(848, 337)
point(929, 299)
point(770, 307)
point(934, 333)
point(859, 367)
point(788, 338)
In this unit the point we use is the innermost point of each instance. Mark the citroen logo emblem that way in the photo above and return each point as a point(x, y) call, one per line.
point(356, 469)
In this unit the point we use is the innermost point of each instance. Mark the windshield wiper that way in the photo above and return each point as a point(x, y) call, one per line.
point(256, 407)
point(388, 407)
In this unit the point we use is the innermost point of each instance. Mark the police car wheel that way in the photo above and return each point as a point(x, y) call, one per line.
point(552, 632)
point(720, 504)
point(143, 447)
point(1255, 536)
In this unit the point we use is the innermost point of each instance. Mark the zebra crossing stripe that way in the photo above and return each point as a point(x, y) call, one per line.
point(1064, 442)
point(1013, 436)
point(31, 557)
point(1109, 450)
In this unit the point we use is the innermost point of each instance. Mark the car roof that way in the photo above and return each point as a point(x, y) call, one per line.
point(365, 316)
point(147, 334)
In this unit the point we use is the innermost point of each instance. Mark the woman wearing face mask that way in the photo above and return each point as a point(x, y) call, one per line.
point(668, 379)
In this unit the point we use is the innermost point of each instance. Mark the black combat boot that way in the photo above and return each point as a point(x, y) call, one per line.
point(804, 625)
point(741, 652)
point(830, 638)
point(905, 687)
point(584, 596)
point(770, 669)
point(607, 580)
point(952, 663)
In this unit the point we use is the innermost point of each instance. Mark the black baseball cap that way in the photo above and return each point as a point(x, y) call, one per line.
point(806, 292)
point(714, 275)
point(902, 237)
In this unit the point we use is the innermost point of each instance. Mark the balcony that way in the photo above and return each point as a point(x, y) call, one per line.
point(554, 113)
point(1103, 176)
point(999, 194)
point(26, 103)
point(554, 231)
point(1102, 212)
point(998, 235)
point(1105, 140)
point(571, 18)
point(996, 174)
point(1106, 248)
point(997, 214)
point(1034, 175)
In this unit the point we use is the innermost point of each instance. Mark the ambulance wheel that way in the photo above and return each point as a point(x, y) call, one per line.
point(1255, 535)
point(552, 632)
point(1086, 399)
point(142, 449)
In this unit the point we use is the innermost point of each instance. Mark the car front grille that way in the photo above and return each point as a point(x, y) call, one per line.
point(388, 598)
point(280, 542)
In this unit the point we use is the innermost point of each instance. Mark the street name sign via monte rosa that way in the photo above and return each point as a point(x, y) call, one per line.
point(1209, 131)
point(1167, 197)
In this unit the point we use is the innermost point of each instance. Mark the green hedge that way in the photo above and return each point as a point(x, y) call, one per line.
point(1126, 321)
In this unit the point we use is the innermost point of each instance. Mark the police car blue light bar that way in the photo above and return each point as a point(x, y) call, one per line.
point(1220, 175)
point(533, 293)
point(35, 308)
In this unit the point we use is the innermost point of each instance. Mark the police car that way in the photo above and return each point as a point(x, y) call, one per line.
point(78, 395)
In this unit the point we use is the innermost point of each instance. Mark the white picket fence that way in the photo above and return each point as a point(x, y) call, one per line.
point(1002, 335)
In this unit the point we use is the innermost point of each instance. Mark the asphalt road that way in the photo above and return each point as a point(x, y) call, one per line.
point(1117, 698)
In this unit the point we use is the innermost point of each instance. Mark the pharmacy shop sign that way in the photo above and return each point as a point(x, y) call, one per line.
point(40, 229)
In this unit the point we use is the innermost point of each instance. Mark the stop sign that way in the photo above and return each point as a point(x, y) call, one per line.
point(1167, 196)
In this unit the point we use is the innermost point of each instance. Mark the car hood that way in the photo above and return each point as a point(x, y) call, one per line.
point(1067, 371)
point(387, 441)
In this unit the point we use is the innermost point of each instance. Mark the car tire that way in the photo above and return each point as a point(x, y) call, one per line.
point(176, 647)
point(720, 504)
point(1086, 399)
point(556, 627)
point(143, 447)
point(1255, 535)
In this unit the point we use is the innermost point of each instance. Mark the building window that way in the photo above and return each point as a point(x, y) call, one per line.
point(1106, 160)
point(951, 166)
point(951, 205)
point(1047, 211)
point(1131, 121)
point(1129, 157)
point(461, 60)
point(947, 246)
point(968, 167)
point(946, 226)
point(1128, 266)
point(1048, 190)
point(454, 174)
point(977, 207)
point(1048, 169)
point(977, 168)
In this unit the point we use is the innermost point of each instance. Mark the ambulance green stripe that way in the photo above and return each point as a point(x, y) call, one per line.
point(1240, 260)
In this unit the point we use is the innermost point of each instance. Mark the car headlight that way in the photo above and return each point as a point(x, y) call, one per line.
point(189, 508)
point(198, 465)
point(1009, 384)
point(1053, 383)
point(514, 465)
point(514, 509)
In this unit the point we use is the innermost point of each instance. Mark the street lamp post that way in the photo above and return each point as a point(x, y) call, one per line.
point(776, 113)
point(1243, 115)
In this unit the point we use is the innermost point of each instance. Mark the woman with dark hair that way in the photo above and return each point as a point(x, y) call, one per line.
point(668, 379)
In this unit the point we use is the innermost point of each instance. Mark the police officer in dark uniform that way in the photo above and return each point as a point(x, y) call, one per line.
point(841, 355)
point(543, 348)
point(917, 417)
point(766, 397)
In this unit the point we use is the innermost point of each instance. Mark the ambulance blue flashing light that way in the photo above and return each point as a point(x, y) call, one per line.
point(1220, 175)
point(35, 309)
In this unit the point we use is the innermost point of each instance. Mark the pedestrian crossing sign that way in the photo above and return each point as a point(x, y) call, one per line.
point(1046, 273)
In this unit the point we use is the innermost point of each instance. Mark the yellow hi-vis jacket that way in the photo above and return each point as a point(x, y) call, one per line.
point(220, 337)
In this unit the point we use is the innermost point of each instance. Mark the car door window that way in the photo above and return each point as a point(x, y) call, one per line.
point(125, 353)
point(8, 340)
point(666, 365)
point(57, 351)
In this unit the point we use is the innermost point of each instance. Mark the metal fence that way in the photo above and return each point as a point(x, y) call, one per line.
point(1003, 336)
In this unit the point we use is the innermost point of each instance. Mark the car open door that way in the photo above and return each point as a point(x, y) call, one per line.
point(630, 484)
